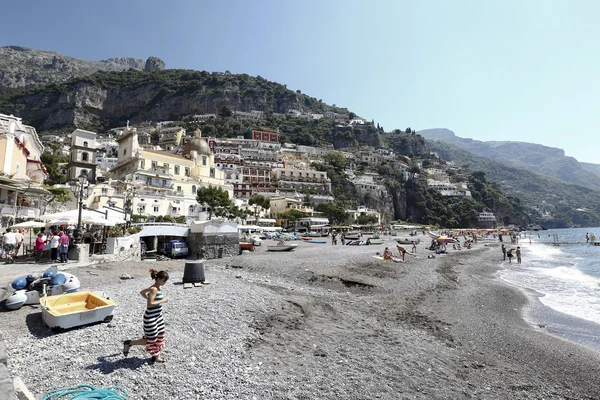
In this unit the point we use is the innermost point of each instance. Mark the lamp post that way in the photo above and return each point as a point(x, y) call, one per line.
point(128, 197)
point(78, 187)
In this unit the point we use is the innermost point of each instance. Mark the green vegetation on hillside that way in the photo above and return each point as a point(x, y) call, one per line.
point(568, 204)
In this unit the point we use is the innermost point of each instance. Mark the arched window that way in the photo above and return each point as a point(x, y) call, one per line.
point(204, 160)
point(84, 156)
point(85, 144)
point(124, 152)
point(84, 172)
point(193, 189)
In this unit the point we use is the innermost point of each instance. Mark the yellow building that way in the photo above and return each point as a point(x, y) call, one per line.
point(21, 171)
point(280, 205)
point(165, 183)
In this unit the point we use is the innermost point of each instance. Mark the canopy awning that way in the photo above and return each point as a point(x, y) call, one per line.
point(85, 214)
point(164, 230)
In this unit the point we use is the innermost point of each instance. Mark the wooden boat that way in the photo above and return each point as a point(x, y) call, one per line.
point(282, 247)
point(408, 240)
point(246, 246)
point(76, 309)
point(376, 242)
point(352, 236)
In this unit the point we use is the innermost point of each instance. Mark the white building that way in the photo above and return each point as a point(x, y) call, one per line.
point(362, 210)
point(82, 158)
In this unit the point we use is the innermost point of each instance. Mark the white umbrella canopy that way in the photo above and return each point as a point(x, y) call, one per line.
point(98, 222)
point(62, 221)
point(73, 215)
point(29, 224)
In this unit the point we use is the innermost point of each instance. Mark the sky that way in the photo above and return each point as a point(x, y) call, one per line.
point(488, 70)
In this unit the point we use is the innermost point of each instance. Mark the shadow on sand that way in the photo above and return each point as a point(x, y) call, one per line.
point(117, 361)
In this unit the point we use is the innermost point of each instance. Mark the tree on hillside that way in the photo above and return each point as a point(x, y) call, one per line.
point(290, 216)
point(225, 112)
point(336, 159)
point(214, 197)
point(364, 219)
point(260, 202)
point(335, 214)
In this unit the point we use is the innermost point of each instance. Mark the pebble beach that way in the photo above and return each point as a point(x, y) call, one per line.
point(321, 322)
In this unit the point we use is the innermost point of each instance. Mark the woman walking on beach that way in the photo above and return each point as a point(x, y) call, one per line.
point(154, 324)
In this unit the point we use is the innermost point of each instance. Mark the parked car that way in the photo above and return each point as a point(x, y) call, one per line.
point(176, 248)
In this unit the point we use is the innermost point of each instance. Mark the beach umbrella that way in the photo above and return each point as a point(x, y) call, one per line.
point(29, 224)
point(98, 221)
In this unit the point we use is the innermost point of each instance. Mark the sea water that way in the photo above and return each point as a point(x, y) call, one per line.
point(566, 276)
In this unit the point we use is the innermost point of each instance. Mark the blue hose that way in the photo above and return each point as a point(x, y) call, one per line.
point(85, 391)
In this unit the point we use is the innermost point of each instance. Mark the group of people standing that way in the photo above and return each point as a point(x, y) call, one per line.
point(11, 243)
point(509, 253)
point(59, 243)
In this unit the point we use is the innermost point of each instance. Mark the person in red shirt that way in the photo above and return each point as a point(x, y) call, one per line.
point(39, 246)
point(64, 247)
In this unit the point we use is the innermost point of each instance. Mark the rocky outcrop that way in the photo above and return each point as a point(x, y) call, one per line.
point(110, 99)
point(154, 64)
point(20, 66)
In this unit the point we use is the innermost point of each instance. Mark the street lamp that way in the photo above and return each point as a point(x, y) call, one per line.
point(128, 197)
point(80, 191)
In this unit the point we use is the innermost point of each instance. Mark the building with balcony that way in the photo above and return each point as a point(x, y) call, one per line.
point(486, 220)
point(362, 210)
point(293, 179)
point(21, 171)
point(171, 138)
point(173, 178)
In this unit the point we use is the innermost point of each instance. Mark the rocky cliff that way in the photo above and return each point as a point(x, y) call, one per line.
point(20, 66)
point(108, 99)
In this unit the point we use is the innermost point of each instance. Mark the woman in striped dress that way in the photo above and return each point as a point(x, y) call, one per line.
point(154, 324)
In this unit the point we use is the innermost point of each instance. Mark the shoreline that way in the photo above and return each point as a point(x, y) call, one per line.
point(320, 322)
point(575, 330)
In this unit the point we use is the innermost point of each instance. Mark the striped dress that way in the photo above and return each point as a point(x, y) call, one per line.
point(154, 327)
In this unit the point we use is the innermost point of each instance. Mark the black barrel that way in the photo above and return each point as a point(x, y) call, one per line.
point(193, 272)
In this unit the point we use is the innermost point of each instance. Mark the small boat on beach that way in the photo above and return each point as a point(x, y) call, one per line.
point(282, 247)
point(316, 241)
point(352, 236)
point(246, 246)
point(408, 240)
point(70, 310)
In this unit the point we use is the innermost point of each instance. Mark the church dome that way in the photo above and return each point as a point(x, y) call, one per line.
point(198, 145)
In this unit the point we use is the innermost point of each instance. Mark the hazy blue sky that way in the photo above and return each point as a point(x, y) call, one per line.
point(489, 70)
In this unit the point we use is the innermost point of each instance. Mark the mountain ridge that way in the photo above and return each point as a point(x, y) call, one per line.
point(46, 67)
point(534, 157)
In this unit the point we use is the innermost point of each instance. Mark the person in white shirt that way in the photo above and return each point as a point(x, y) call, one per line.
point(20, 238)
point(54, 243)
point(10, 242)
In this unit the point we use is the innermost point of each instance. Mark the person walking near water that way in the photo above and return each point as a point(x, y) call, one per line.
point(509, 255)
point(503, 252)
point(414, 247)
point(587, 238)
point(154, 324)
point(518, 253)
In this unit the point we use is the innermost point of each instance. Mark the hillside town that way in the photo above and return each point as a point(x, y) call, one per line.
point(151, 172)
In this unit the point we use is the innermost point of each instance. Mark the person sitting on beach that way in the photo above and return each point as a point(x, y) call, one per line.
point(402, 251)
point(387, 254)
point(509, 254)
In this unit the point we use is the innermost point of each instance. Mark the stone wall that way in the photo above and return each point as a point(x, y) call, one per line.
point(209, 246)
point(120, 249)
